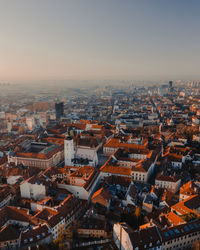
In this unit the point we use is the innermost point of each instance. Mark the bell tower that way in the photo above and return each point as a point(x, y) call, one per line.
point(68, 149)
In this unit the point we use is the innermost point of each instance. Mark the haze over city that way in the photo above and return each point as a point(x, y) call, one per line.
point(99, 125)
point(81, 40)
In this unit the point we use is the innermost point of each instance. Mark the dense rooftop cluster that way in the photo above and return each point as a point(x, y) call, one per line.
point(119, 169)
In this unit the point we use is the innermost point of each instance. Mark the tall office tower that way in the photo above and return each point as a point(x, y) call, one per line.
point(59, 107)
point(170, 86)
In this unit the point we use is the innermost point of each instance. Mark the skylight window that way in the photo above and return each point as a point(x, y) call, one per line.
point(186, 228)
point(191, 226)
point(176, 231)
point(166, 234)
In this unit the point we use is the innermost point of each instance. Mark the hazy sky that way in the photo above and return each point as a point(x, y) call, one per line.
point(99, 39)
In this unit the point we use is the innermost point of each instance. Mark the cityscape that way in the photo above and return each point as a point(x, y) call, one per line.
point(112, 166)
point(99, 125)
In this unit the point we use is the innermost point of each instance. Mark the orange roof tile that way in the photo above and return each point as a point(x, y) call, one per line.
point(187, 188)
point(181, 208)
point(116, 170)
point(175, 219)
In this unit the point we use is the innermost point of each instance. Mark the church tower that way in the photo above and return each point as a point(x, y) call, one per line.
point(68, 150)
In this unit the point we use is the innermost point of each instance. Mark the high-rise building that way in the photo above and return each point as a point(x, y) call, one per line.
point(59, 107)
point(170, 86)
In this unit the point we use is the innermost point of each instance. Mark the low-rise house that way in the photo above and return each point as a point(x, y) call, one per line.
point(196, 138)
point(81, 151)
point(181, 236)
point(113, 168)
point(38, 235)
point(143, 171)
point(122, 236)
point(35, 187)
point(16, 174)
point(115, 143)
point(94, 227)
point(9, 237)
point(5, 195)
point(123, 182)
point(111, 146)
point(41, 155)
point(131, 195)
point(86, 148)
point(166, 199)
point(127, 161)
point(187, 190)
point(189, 205)
point(125, 238)
point(176, 161)
point(169, 182)
point(176, 156)
point(3, 161)
point(147, 204)
point(130, 157)
point(109, 170)
point(82, 182)
point(174, 219)
point(58, 219)
point(10, 215)
point(14, 179)
point(102, 197)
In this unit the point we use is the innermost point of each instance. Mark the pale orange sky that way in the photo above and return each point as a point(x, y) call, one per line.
point(90, 39)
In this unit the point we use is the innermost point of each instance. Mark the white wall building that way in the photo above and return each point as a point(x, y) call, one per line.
point(80, 190)
point(171, 183)
point(121, 236)
point(30, 122)
point(36, 191)
point(68, 150)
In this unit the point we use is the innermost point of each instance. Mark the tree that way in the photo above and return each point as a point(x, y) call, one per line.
point(196, 245)
point(60, 239)
point(137, 212)
point(69, 232)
